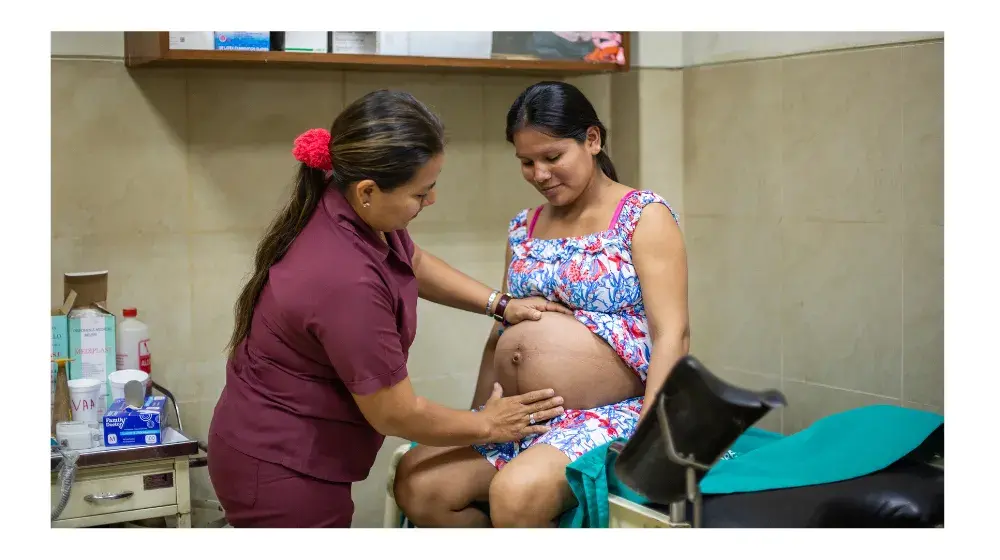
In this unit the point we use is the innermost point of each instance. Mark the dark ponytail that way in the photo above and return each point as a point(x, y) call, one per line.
point(560, 110)
point(309, 187)
point(604, 161)
point(385, 136)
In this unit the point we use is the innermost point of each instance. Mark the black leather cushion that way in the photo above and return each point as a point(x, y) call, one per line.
point(907, 494)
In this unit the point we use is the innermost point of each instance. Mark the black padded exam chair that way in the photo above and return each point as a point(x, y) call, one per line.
point(698, 416)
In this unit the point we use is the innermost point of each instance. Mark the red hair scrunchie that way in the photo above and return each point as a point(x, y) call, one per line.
point(312, 148)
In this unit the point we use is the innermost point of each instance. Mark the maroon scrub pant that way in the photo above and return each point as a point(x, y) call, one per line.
point(258, 494)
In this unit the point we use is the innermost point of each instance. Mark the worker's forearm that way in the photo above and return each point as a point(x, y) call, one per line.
point(439, 282)
point(429, 423)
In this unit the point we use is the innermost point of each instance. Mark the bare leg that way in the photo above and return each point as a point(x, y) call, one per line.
point(531, 490)
point(436, 486)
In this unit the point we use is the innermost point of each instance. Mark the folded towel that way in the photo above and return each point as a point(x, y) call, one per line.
point(839, 447)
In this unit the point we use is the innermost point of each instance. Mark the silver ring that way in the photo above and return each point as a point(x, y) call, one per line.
point(531, 418)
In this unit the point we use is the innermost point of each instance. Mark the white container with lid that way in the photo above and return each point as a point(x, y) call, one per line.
point(75, 435)
point(121, 377)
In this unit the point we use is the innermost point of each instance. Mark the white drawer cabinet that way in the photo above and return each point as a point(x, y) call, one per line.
point(149, 483)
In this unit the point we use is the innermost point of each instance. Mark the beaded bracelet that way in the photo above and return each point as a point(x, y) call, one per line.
point(489, 304)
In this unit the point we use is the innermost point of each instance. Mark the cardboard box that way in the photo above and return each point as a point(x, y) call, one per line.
point(90, 328)
point(60, 346)
point(124, 426)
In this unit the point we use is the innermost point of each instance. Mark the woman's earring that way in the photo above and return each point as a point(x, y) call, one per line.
point(367, 204)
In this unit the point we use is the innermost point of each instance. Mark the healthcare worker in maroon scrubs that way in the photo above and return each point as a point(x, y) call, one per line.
point(316, 376)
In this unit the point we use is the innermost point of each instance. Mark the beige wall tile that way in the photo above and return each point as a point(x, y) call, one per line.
point(808, 403)
point(450, 341)
point(458, 100)
point(453, 389)
point(243, 125)
point(841, 136)
point(624, 147)
point(756, 382)
point(118, 145)
point(703, 47)
point(193, 381)
point(143, 273)
point(925, 407)
point(65, 256)
point(923, 315)
point(506, 193)
point(220, 264)
point(661, 134)
point(597, 88)
point(732, 158)
point(923, 133)
point(734, 287)
point(841, 305)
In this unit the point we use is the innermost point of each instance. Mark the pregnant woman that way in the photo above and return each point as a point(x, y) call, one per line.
point(615, 257)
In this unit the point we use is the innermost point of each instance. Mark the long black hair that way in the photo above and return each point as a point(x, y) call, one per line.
point(560, 110)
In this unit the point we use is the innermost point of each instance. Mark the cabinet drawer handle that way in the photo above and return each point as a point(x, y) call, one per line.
point(108, 497)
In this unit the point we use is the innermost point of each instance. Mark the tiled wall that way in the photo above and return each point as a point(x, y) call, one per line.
point(813, 198)
point(167, 179)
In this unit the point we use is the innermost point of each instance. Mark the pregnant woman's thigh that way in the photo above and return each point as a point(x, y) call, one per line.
point(560, 352)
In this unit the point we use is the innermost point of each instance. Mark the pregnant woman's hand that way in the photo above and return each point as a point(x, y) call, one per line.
point(530, 309)
point(514, 418)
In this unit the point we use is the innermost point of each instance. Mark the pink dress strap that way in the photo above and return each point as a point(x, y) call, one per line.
point(534, 220)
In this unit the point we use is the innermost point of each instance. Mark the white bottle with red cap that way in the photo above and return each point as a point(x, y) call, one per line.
point(133, 342)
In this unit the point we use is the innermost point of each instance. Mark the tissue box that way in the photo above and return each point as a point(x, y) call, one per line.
point(242, 40)
point(124, 426)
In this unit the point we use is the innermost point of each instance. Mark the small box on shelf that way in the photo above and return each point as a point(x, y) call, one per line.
point(242, 40)
point(305, 41)
point(192, 40)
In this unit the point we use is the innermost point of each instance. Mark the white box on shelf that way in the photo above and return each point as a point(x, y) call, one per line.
point(451, 44)
point(192, 40)
point(354, 42)
point(393, 43)
point(307, 41)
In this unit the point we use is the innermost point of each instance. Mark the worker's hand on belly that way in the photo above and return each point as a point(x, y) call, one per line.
point(514, 418)
point(530, 309)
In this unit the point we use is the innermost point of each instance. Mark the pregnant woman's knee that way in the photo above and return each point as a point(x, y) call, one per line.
point(433, 484)
point(559, 352)
point(531, 490)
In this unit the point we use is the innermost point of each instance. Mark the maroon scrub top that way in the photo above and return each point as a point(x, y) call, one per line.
point(337, 316)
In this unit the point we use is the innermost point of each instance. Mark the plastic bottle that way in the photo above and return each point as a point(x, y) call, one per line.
point(133, 343)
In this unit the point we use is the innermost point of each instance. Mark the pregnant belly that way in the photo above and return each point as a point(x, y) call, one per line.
point(560, 352)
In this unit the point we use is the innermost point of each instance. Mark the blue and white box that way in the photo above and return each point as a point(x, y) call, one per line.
point(242, 40)
point(125, 426)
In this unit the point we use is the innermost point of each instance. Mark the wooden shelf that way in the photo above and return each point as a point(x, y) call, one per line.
point(144, 49)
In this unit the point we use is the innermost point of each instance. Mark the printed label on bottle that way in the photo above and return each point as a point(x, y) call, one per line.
point(145, 360)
